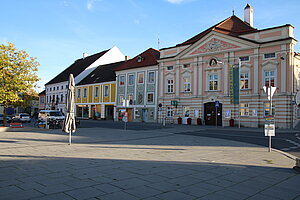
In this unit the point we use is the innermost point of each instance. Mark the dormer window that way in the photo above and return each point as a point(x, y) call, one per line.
point(140, 59)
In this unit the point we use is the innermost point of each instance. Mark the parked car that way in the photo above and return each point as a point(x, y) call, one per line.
point(8, 118)
point(22, 117)
point(51, 115)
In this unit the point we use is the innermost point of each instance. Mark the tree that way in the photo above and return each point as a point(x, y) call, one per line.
point(17, 75)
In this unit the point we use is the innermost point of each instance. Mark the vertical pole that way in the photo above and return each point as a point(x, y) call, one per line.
point(216, 117)
point(239, 93)
point(70, 138)
point(271, 114)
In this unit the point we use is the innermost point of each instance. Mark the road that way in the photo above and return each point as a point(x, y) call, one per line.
point(285, 141)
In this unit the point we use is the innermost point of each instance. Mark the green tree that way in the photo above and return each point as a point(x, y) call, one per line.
point(17, 75)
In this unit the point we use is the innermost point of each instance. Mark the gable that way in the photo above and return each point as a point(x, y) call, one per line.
point(216, 43)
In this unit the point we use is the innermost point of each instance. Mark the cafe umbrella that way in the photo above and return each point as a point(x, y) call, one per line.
point(69, 125)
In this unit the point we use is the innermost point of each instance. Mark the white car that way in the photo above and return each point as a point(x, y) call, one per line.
point(51, 115)
point(22, 117)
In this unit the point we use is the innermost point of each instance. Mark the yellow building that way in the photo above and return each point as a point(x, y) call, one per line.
point(95, 95)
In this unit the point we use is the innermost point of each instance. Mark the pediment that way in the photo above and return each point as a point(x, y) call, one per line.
point(214, 45)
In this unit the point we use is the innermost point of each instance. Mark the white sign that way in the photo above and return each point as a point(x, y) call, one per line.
point(269, 129)
point(270, 91)
point(254, 113)
point(228, 114)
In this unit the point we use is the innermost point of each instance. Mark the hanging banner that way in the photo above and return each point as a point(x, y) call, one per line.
point(234, 84)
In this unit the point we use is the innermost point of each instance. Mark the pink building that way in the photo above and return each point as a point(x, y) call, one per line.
point(193, 75)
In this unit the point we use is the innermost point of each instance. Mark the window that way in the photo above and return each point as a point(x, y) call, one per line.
point(186, 111)
point(269, 55)
point(140, 78)
point(170, 85)
point(130, 79)
point(42, 100)
point(62, 87)
point(169, 112)
point(53, 98)
point(50, 89)
point(121, 99)
point(170, 68)
point(47, 99)
point(84, 92)
point(269, 78)
point(130, 99)
point(122, 80)
point(244, 109)
point(106, 90)
point(186, 85)
point(186, 66)
point(244, 58)
point(267, 110)
point(53, 88)
point(78, 93)
point(213, 81)
point(244, 80)
point(150, 97)
point(57, 88)
point(61, 98)
point(151, 77)
point(96, 91)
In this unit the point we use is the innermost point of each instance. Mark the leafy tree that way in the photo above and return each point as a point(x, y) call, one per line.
point(17, 75)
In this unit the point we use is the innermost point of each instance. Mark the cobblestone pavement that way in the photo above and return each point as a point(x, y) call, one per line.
point(151, 164)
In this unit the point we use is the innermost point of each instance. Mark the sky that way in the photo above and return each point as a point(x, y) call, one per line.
point(58, 32)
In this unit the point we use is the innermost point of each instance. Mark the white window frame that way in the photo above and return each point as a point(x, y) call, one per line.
point(268, 54)
point(215, 79)
point(130, 80)
point(84, 92)
point(244, 77)
point(121, 80)
point(169, 112)
point(244, 58)
point(269, 77)
point(149, 77)
point(170, 85)
point(187, 84)
point(78, 93)
point(150, 102)
point(105, 91)
point(96, 90)
point(169, 68)
point(138, 77)
point(185, 66)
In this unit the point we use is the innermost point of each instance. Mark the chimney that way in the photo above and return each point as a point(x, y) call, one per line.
point(248, 14)
point(85, 55)
point(127, 58)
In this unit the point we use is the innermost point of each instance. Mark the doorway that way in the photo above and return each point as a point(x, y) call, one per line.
point(210, 113)
point(109, 112)
point(144, 115)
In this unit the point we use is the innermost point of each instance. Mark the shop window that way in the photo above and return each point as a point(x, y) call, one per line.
point(186, 111)
point(244, 110)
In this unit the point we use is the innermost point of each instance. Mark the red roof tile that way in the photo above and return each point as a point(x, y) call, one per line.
point(233, 26)
point(147, 58)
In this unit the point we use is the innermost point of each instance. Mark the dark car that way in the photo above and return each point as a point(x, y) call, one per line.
point(8, 119)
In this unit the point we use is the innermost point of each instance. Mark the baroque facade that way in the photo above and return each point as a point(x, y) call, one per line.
point(195, 74)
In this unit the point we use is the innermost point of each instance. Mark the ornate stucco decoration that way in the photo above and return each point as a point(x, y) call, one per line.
point(214, 45)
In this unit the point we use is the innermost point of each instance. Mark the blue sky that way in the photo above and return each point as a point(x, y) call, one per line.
point(57, 32)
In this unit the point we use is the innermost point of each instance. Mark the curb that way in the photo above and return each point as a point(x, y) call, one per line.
point(286, 154)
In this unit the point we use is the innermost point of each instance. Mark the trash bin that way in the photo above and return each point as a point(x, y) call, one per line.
point(189, 121)
point(231, 122)
point(179, 119)
point(199, 121)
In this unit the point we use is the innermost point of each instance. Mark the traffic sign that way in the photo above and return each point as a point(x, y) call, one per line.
point(217, 104)
point(269, 129)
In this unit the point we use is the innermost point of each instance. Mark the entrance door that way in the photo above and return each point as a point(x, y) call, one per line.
point(145, 115)
point(129, 111)
point(210, 114)
point(109, 112)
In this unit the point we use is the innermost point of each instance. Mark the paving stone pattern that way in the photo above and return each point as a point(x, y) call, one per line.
point(117, 164)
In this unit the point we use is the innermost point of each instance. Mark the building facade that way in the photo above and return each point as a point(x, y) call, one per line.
point(137, 86)
point(95, 95)
point(56, 89)
point(196, 74)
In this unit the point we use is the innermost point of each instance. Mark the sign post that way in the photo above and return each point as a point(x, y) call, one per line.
point(125, 119)
point(270, 122)
point(217, 105)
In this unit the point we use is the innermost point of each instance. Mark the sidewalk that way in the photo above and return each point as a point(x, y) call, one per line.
point(153, 164)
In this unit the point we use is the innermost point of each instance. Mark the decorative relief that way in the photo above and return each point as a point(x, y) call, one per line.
point(215, 45)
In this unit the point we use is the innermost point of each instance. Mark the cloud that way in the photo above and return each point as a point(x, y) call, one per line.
point(176, 1)
point(90, 4)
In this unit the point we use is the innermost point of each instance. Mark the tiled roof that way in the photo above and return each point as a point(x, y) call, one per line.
point(76, 68)
point(147, 58)
point(233, 26)
point(102, 73)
